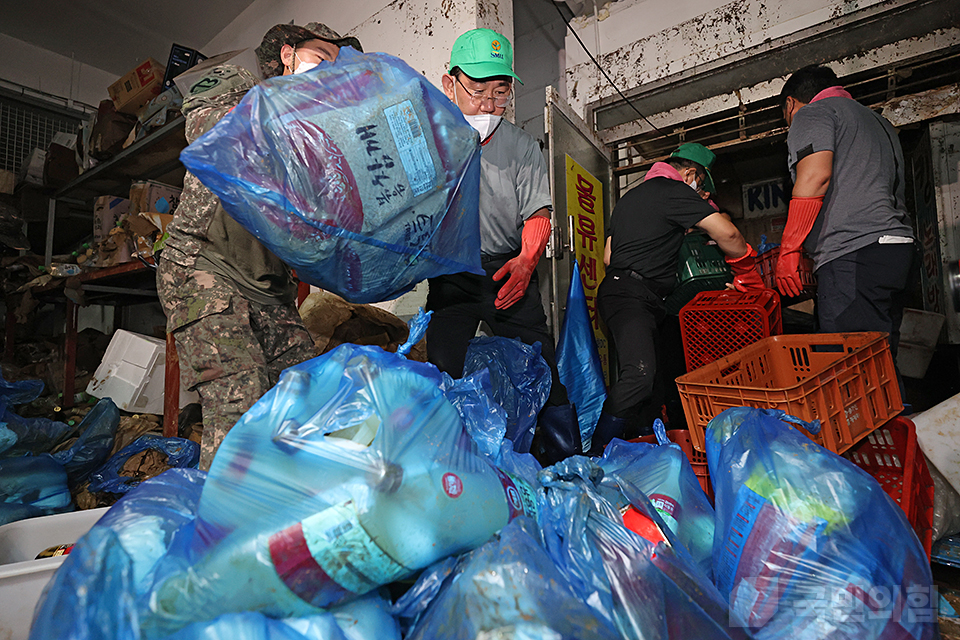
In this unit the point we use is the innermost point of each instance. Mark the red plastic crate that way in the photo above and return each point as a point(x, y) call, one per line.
point(717, 323)
point(767, 266)
point(845, 380)
point(892, 456)
point(698, 460)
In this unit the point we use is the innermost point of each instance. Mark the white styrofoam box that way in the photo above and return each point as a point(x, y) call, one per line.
point(131, 374)
point(919, 333)
point(22, 579)
point(938, 433)
point(921, 327)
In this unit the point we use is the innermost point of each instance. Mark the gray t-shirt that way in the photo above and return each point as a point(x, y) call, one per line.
point(865, 199)
point(514, 185)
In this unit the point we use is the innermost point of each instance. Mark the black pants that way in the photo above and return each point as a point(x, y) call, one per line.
point(461, 301)
point(865, 290)
point(633, 313)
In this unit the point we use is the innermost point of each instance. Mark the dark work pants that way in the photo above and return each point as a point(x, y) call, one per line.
point(864, 290)
point(633, 314)
point(462, 300)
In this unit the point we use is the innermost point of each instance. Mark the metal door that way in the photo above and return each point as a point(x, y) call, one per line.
point(581, 179)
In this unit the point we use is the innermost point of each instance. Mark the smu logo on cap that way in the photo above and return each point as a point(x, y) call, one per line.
point(495, 45)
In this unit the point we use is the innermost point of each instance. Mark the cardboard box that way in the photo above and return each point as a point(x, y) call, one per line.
point(147, 228)
point(7, 181)
point(107, 210)
point(147, 196)
point(138, 87)
point(181, 58)
point(131, 374)
point(31, 169)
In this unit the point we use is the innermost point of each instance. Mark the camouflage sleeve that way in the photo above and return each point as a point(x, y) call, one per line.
point(201, 120)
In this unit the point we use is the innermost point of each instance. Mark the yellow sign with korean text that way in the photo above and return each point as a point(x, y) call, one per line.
point(585, 207)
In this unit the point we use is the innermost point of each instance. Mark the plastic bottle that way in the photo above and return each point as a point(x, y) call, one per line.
point(413, 517)
point(61, 269)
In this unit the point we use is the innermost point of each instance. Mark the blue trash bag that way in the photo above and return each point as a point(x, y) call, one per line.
point(765, 246)
point(98, 430)
point(649, 589)
point(483, 418)
point(367, 618)
point(509, 587)
point(359, 174)
point(21, 436)
point(181, 454)
point(663, 473)
point(32, 486)
point(807, 544)
point(94, 594)
point(359, 453)
point(578, 360)
point(521, 382)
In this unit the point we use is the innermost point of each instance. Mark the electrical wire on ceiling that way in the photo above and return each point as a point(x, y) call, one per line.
point(556, 4)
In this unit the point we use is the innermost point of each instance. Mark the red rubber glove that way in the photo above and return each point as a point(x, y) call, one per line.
point(536, 231)
point(745, 274)
point(800, 218)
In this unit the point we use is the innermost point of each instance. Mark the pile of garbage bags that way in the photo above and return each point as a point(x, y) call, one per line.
point(41, 469)
point(365, 474)
point(370, 496)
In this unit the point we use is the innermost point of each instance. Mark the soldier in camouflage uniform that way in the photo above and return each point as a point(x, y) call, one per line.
point(230, 303)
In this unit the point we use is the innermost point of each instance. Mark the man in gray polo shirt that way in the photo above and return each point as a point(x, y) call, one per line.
point(847, 208)
point(514, 228)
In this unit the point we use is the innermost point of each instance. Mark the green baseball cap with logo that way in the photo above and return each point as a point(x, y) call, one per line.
point(701, 155)
point(483, 53)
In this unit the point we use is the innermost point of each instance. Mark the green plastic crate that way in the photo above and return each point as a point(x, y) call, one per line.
point(701, 267)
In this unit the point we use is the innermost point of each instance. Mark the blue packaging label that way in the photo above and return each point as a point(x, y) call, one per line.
point(412, 146)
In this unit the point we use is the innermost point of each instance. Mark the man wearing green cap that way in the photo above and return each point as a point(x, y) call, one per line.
point(514, 228)
point(643, 245)
point(230, 303)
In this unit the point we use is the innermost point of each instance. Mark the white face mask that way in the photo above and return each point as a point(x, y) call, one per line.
point(304, 66)
point(693, 185)
point(484, 123)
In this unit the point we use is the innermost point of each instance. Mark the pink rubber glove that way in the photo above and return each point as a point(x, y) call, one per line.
point(536, 232)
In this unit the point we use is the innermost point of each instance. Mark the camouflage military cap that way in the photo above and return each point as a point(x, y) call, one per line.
point(268, 53)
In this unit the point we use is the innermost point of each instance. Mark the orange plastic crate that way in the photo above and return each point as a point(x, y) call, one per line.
point(717, 323)
point(698, 459)
point(845, 380)
point(767, 266)
point(892, 456)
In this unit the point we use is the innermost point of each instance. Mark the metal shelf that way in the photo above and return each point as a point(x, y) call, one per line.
point(155, 157)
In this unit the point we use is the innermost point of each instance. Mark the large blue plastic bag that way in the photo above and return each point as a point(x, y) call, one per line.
point(509, 588)
point(578, 360)
point(520, 378)
point(366, 618)
point(32, 486)
point(181, 454)
point(98, 429)
point(30, 436)
point(645, 590)
point(353, 472)
point(808, 545)
point(18, 435)
point(359, 174)
point(663, 473)
point(94, 594)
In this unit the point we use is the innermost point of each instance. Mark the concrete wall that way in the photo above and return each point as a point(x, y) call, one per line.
point(644, 40)
point(420, 32)
point(52, 73)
